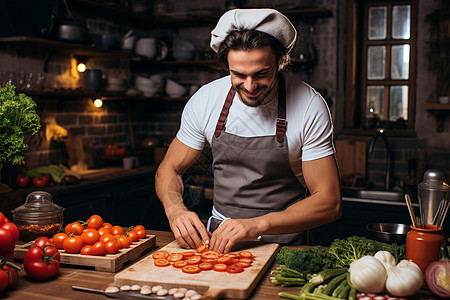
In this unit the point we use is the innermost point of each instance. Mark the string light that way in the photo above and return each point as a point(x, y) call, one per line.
point(81, 67)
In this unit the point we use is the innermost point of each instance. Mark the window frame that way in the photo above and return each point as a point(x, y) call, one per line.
point(356, 65)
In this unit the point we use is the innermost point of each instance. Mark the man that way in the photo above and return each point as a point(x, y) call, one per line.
point(275, 173)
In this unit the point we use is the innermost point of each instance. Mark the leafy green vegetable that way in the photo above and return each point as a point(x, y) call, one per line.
point(17, 117)
point(352, 248)
point(307, 261)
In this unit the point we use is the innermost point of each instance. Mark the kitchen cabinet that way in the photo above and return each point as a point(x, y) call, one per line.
point(125, 15)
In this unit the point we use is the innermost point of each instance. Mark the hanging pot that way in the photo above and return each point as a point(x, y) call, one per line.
point(69, 31)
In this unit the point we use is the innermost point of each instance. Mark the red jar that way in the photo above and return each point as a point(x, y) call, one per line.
point(423, 245)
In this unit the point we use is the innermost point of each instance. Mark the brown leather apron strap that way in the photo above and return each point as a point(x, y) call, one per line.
point(223, 115)
point(281, 120)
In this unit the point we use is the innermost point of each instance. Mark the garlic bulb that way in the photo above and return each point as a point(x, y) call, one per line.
point(386, 258)
point(368, 274)
point(405, 279)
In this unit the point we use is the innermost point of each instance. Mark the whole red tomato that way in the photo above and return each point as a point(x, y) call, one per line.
point(41, 181)
point(22, 180)
point(74, 228)
point(6, 240)
point(95, 221)
point(42, 263)
point(90, 236)
point(114, 151)
point(99, 248)
point(73, 244)
point(111, 247)
point(9, 273)
point(43, 241)
point(58, 239)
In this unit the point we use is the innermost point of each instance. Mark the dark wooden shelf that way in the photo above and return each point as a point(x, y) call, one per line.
point(439, 110)
point(437, 106)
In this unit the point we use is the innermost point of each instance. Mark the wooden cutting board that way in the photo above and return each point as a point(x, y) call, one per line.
point(108, 263)
point(211, 284)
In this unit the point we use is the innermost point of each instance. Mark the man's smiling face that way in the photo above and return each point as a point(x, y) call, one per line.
point(254, 75)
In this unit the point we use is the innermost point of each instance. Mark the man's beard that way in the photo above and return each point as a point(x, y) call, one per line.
point(255, 101)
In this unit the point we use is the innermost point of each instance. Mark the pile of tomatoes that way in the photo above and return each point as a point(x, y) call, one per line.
point(203, 259)
point(95, 237)
point(9, 234)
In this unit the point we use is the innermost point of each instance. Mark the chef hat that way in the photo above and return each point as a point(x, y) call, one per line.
point(266, 20)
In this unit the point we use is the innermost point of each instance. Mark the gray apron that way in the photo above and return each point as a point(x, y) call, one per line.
point(252, 175)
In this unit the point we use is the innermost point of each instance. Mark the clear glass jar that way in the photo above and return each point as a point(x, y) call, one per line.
point(39, 216)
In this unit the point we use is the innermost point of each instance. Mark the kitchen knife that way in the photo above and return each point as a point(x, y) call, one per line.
point(121, 294)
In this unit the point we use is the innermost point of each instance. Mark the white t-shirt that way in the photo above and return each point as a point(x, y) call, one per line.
point(309, 129)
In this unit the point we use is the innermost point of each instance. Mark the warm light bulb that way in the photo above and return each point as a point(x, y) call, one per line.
point(98, 103)
point(81, 67)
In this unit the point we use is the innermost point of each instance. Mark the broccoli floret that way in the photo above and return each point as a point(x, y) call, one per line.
point(307, 261)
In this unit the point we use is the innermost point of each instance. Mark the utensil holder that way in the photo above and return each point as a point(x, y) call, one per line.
point(423, 244)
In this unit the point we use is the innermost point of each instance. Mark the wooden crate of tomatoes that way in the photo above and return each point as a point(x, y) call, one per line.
point(97, 244)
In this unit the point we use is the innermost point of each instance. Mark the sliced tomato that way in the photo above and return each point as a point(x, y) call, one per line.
point(245, 254)
point(188, 253)
point(201, 248)
point(210, 260)
point(225, 260)
point(220, 267)
point(232, 255)
point(205, 266)
point(234, 269)
point(243, 264)
point(210, 254)
point(193, 260)
point(162, 262)
point(191, 269)
point(246, 259)
point(180, 264)
point(175, 257)
point(160, 254)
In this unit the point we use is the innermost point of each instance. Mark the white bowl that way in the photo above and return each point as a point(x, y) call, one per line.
point(174, 89)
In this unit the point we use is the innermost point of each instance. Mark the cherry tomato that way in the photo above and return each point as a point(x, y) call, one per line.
point(190, 269)
point(201, 248)
point(106, 238)
point(234, 269)
point(193, 260)
point(133, 235)
point(95, 222)
point(162, 262)
point(111, 247)
point(86, 250)
point(175, 257)
point(58, 239)
point(220, 267)
point(104, 230)
point(41, 180)
point(73, 244)
point(22, 180)
point(141, 233)
point(179, 264)
point(205, 266)
point(117, 230)
point(74, 228)
point(99, 248)
point(42, 263)
point(90, 236)
point(139, 227)
point(125, 240)
point(160, 254)
point(107, 225)
point(43, 241)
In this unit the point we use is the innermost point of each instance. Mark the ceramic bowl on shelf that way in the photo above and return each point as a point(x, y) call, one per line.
point(174, 89)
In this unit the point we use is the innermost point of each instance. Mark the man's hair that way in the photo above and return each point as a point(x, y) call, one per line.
point(251, 39)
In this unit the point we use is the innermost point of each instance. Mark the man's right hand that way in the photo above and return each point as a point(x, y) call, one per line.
point(188, 230)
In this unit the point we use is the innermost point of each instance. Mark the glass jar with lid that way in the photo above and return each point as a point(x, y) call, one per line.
point(39, 216)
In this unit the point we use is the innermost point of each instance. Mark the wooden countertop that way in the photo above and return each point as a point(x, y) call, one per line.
point(60, 287)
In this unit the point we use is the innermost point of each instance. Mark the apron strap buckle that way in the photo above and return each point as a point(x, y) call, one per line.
point(281, 129)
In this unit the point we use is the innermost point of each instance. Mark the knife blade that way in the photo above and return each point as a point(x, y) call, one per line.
point(120, 294)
